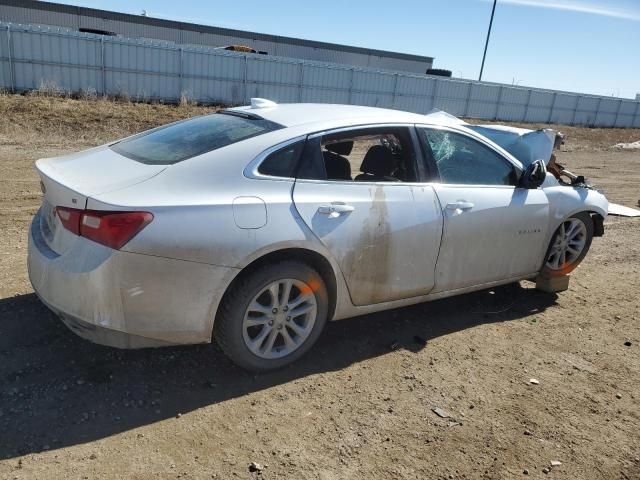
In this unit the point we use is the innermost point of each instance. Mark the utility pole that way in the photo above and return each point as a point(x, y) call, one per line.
point(493, 10)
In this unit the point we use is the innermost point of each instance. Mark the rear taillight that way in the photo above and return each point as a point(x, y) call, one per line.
point(113, 229)
point(70, 218)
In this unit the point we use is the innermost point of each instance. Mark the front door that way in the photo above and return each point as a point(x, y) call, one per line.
point(493, 229)
point(381, 225)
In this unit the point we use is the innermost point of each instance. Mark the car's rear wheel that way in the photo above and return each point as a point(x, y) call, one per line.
point(272, 316)
point(569, 245)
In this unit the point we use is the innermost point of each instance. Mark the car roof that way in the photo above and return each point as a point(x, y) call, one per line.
point(306, 118)
point(296, 114)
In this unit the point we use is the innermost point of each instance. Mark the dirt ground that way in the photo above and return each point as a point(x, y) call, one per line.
point(360, 404)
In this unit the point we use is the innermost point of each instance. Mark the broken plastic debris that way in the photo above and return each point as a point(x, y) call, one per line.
point(628, 146)
point(622, 211)
point(441, 413)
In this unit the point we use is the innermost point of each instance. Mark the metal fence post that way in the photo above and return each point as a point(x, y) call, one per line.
point(575, 110)
point(301, 82)
point(103, 76)
point(351, 85)
point(595, 119)
point(526, 107)
point(180, 85)
point(12, 72)
point(615, 121)
point(467, 101)
point(244, 81)
point(395, 87)
point(435, 93)
point(498, 102)
point(553, 104)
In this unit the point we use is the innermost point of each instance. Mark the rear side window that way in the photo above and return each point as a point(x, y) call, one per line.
point(189, 138)
point(282, 162)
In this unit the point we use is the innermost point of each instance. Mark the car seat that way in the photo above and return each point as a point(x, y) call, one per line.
point(377, 165)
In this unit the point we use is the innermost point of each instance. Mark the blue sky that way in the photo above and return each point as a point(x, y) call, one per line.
point(577, 45)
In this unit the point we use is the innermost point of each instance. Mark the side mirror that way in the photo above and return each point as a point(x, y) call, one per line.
point(534, 175)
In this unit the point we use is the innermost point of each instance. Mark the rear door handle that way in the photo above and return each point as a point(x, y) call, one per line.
point(460, 205)
point(335, 207)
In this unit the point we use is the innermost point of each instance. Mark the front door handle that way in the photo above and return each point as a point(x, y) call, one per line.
point(337, 208)
point(460, 205)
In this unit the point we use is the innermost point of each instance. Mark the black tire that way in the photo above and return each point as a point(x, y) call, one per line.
point(228, 328)
point(548, 272)
point(441, 72)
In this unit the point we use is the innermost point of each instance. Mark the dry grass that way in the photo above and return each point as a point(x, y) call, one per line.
point(55, 121)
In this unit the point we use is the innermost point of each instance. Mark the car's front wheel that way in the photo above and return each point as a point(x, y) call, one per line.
point(569, 245)
point(272, 316)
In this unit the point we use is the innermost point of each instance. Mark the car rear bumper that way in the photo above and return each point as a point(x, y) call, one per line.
point(124, 299)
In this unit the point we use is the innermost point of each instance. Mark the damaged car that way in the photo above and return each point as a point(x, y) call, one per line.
point(256, 225)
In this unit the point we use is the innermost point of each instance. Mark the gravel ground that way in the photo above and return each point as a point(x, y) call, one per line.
point(360, 405)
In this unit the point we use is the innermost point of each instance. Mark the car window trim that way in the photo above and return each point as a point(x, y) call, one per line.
point(518, 169)
point(429, 163)
point(475, 185)
point(423, 170)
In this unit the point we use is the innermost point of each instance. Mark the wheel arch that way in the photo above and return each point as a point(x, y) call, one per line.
point(597, 217)
point(598, 229)
point(314, 259)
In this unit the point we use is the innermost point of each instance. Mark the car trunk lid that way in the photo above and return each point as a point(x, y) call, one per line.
point(68, 181)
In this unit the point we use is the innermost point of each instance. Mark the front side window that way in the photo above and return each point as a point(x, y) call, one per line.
point(463, 160)
point(189, 138)
point(364, 155)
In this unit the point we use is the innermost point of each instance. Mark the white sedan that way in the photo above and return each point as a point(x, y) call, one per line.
point(256, 225)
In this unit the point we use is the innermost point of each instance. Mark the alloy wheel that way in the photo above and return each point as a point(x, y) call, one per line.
point(279, 318)
point(568, 244)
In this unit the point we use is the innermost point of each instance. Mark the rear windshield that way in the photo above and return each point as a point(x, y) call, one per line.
point(189, 138)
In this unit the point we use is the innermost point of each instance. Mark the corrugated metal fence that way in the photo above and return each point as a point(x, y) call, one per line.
point(31, 56)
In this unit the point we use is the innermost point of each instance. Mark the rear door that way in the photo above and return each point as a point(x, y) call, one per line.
point(358, 191)
point(493, 229)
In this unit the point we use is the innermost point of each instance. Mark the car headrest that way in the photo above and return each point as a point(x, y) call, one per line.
point(341, 148)
point(336, 166)
point(378, 161)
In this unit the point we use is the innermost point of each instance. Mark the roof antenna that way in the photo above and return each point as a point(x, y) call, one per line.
point(262, 103)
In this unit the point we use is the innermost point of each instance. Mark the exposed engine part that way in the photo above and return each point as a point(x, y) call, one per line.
point(559, 172)
point(559, 140)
